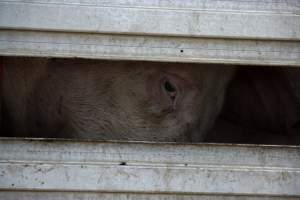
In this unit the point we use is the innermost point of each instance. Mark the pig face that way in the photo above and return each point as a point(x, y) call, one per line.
point(142, 101)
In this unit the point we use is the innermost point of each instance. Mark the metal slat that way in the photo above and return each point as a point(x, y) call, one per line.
point(197, 21)
point(143, 168)
point(28, 195)
point(170, 49)
point(258, 32)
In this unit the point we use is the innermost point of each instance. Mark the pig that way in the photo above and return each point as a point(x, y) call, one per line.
point(262, 106)
point(112, 100)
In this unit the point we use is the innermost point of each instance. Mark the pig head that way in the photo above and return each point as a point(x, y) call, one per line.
point(115, 100)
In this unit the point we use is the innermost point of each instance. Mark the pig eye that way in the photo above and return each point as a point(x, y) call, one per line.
point(170, 90)
point(169, 87)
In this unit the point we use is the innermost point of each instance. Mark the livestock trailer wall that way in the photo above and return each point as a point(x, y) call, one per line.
point(262, 32)
point(252, 32)
point(38, 169)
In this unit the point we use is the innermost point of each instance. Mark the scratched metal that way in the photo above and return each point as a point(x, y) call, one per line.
point(129, 169)
point(29, 195)
point(252, 32)
point(267, 19)
point(151, 48)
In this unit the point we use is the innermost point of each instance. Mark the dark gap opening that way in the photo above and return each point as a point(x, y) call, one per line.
point(123, 100)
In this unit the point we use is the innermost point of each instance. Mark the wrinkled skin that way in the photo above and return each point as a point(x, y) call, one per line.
point(262, 106)
point(116, 100)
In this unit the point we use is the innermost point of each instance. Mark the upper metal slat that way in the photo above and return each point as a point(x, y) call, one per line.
point(263, 19)
point(248, 32)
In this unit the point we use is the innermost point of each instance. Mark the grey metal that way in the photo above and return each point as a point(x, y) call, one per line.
point(119, 168)
point(151, 48)
point(29, 195)
point(269, 19)
point(258, 32)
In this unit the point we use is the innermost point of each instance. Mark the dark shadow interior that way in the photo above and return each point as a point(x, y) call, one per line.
point(262, 106)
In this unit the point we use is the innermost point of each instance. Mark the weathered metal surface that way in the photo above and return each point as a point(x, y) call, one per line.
point(143, 168)
point(258, 32)
point(29, 195)
point(170, 49)
point(269, 19)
